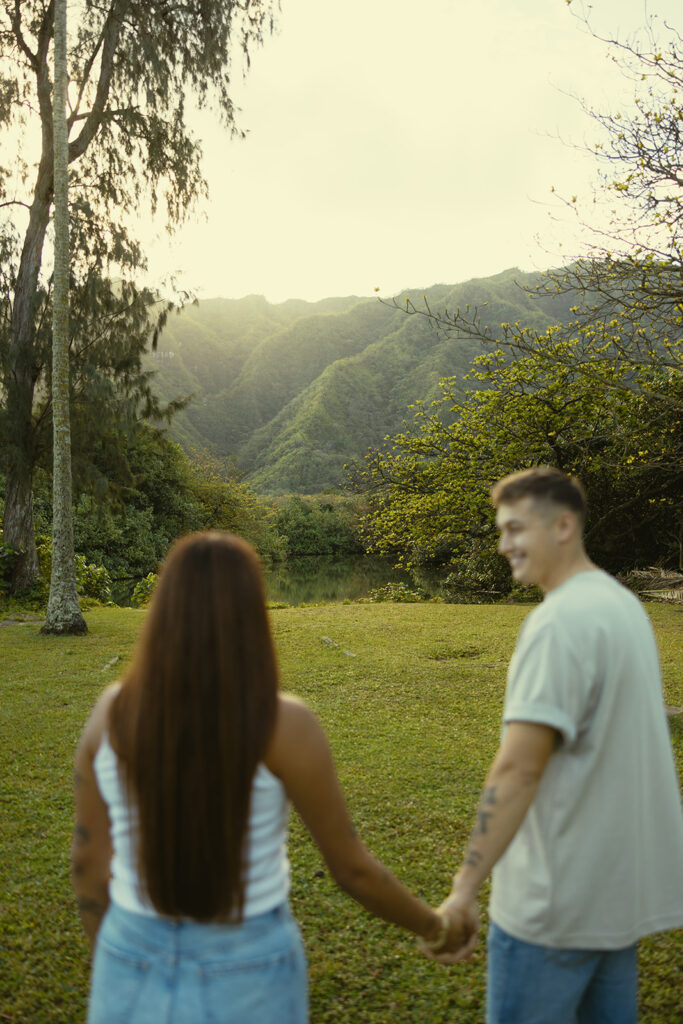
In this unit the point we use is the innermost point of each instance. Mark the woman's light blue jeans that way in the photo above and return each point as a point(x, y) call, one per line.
point(156, 971)
point(529, 984)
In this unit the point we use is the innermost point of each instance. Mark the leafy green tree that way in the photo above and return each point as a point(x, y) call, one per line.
point(131, 527)
point(227, 503)
point(324, 525)
point(166, 495)
point(617, 360)
point(428, 490)
point(111, 398)
point(133, 67)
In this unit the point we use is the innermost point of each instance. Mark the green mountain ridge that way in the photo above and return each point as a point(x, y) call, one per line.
point(293, 391)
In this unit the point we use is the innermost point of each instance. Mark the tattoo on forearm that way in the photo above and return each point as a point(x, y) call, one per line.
point(488, 799)
point(81, 835)
point(489, 795)
point(472, 857)
point(482, 818)
point(90, 906)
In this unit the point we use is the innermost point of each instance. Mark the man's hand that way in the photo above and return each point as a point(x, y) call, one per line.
point(463, 931)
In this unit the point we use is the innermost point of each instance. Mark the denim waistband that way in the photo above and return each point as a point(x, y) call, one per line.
point(179, 935)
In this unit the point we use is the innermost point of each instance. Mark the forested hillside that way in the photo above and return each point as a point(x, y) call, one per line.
point(295, 390)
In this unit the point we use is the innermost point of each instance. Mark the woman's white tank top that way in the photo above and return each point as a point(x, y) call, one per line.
point(267, 883)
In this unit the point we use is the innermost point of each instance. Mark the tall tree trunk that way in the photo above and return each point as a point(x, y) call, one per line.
point(24, 369)
point(63, 610)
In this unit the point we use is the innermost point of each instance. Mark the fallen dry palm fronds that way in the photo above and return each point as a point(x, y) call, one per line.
point(656, 583)
point(665, 595)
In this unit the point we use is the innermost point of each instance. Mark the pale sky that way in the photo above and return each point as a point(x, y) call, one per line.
point(397, 144)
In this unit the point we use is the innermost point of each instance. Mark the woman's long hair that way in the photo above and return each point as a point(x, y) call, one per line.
point(191, 722)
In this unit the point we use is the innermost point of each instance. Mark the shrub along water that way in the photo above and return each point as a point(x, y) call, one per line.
point(325, 524)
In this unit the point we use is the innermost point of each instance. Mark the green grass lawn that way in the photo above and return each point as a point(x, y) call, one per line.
point(411, 697)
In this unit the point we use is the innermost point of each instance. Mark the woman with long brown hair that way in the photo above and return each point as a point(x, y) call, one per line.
point(184, 774)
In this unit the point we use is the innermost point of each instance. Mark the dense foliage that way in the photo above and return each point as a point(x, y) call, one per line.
point(324, 525)
point(128, 529)
point(428, 491)
point(125, 531)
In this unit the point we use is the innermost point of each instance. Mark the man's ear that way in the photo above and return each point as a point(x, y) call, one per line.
point(566, 525)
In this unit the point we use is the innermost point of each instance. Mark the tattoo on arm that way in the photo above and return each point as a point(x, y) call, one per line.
point(90, 906)
point(81, 835)
point(472, 857)
point(78, 778)
point(488, 799)
point(489, 795)
point(482, 818)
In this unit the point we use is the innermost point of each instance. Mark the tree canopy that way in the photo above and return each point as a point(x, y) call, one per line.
point(135, 68)
point(428, 490)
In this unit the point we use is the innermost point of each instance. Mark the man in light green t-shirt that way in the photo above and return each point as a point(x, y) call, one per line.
point(580, 815)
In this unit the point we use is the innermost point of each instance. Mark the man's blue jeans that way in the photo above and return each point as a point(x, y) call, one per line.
point(529, 984)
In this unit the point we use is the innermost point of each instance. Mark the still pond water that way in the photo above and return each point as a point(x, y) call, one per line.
point(322, 578)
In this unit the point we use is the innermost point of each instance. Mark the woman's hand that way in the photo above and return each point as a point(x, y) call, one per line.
point(461, 937)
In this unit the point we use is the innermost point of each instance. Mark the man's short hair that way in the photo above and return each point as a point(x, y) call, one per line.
point(543, 483)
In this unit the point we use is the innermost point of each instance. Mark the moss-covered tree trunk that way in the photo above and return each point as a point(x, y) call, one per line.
point(63, 610)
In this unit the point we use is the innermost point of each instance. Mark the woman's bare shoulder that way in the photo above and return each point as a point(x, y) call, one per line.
point(295, 726)
point(295, 715)
point(293, 707)
point(98, 723)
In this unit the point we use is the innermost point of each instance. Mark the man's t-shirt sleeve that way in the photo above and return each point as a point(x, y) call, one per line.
point(548, 682)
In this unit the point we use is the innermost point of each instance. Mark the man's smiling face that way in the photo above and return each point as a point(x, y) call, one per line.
point(529, 539)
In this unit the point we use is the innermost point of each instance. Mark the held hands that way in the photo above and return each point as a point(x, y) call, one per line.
point(462, 917)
